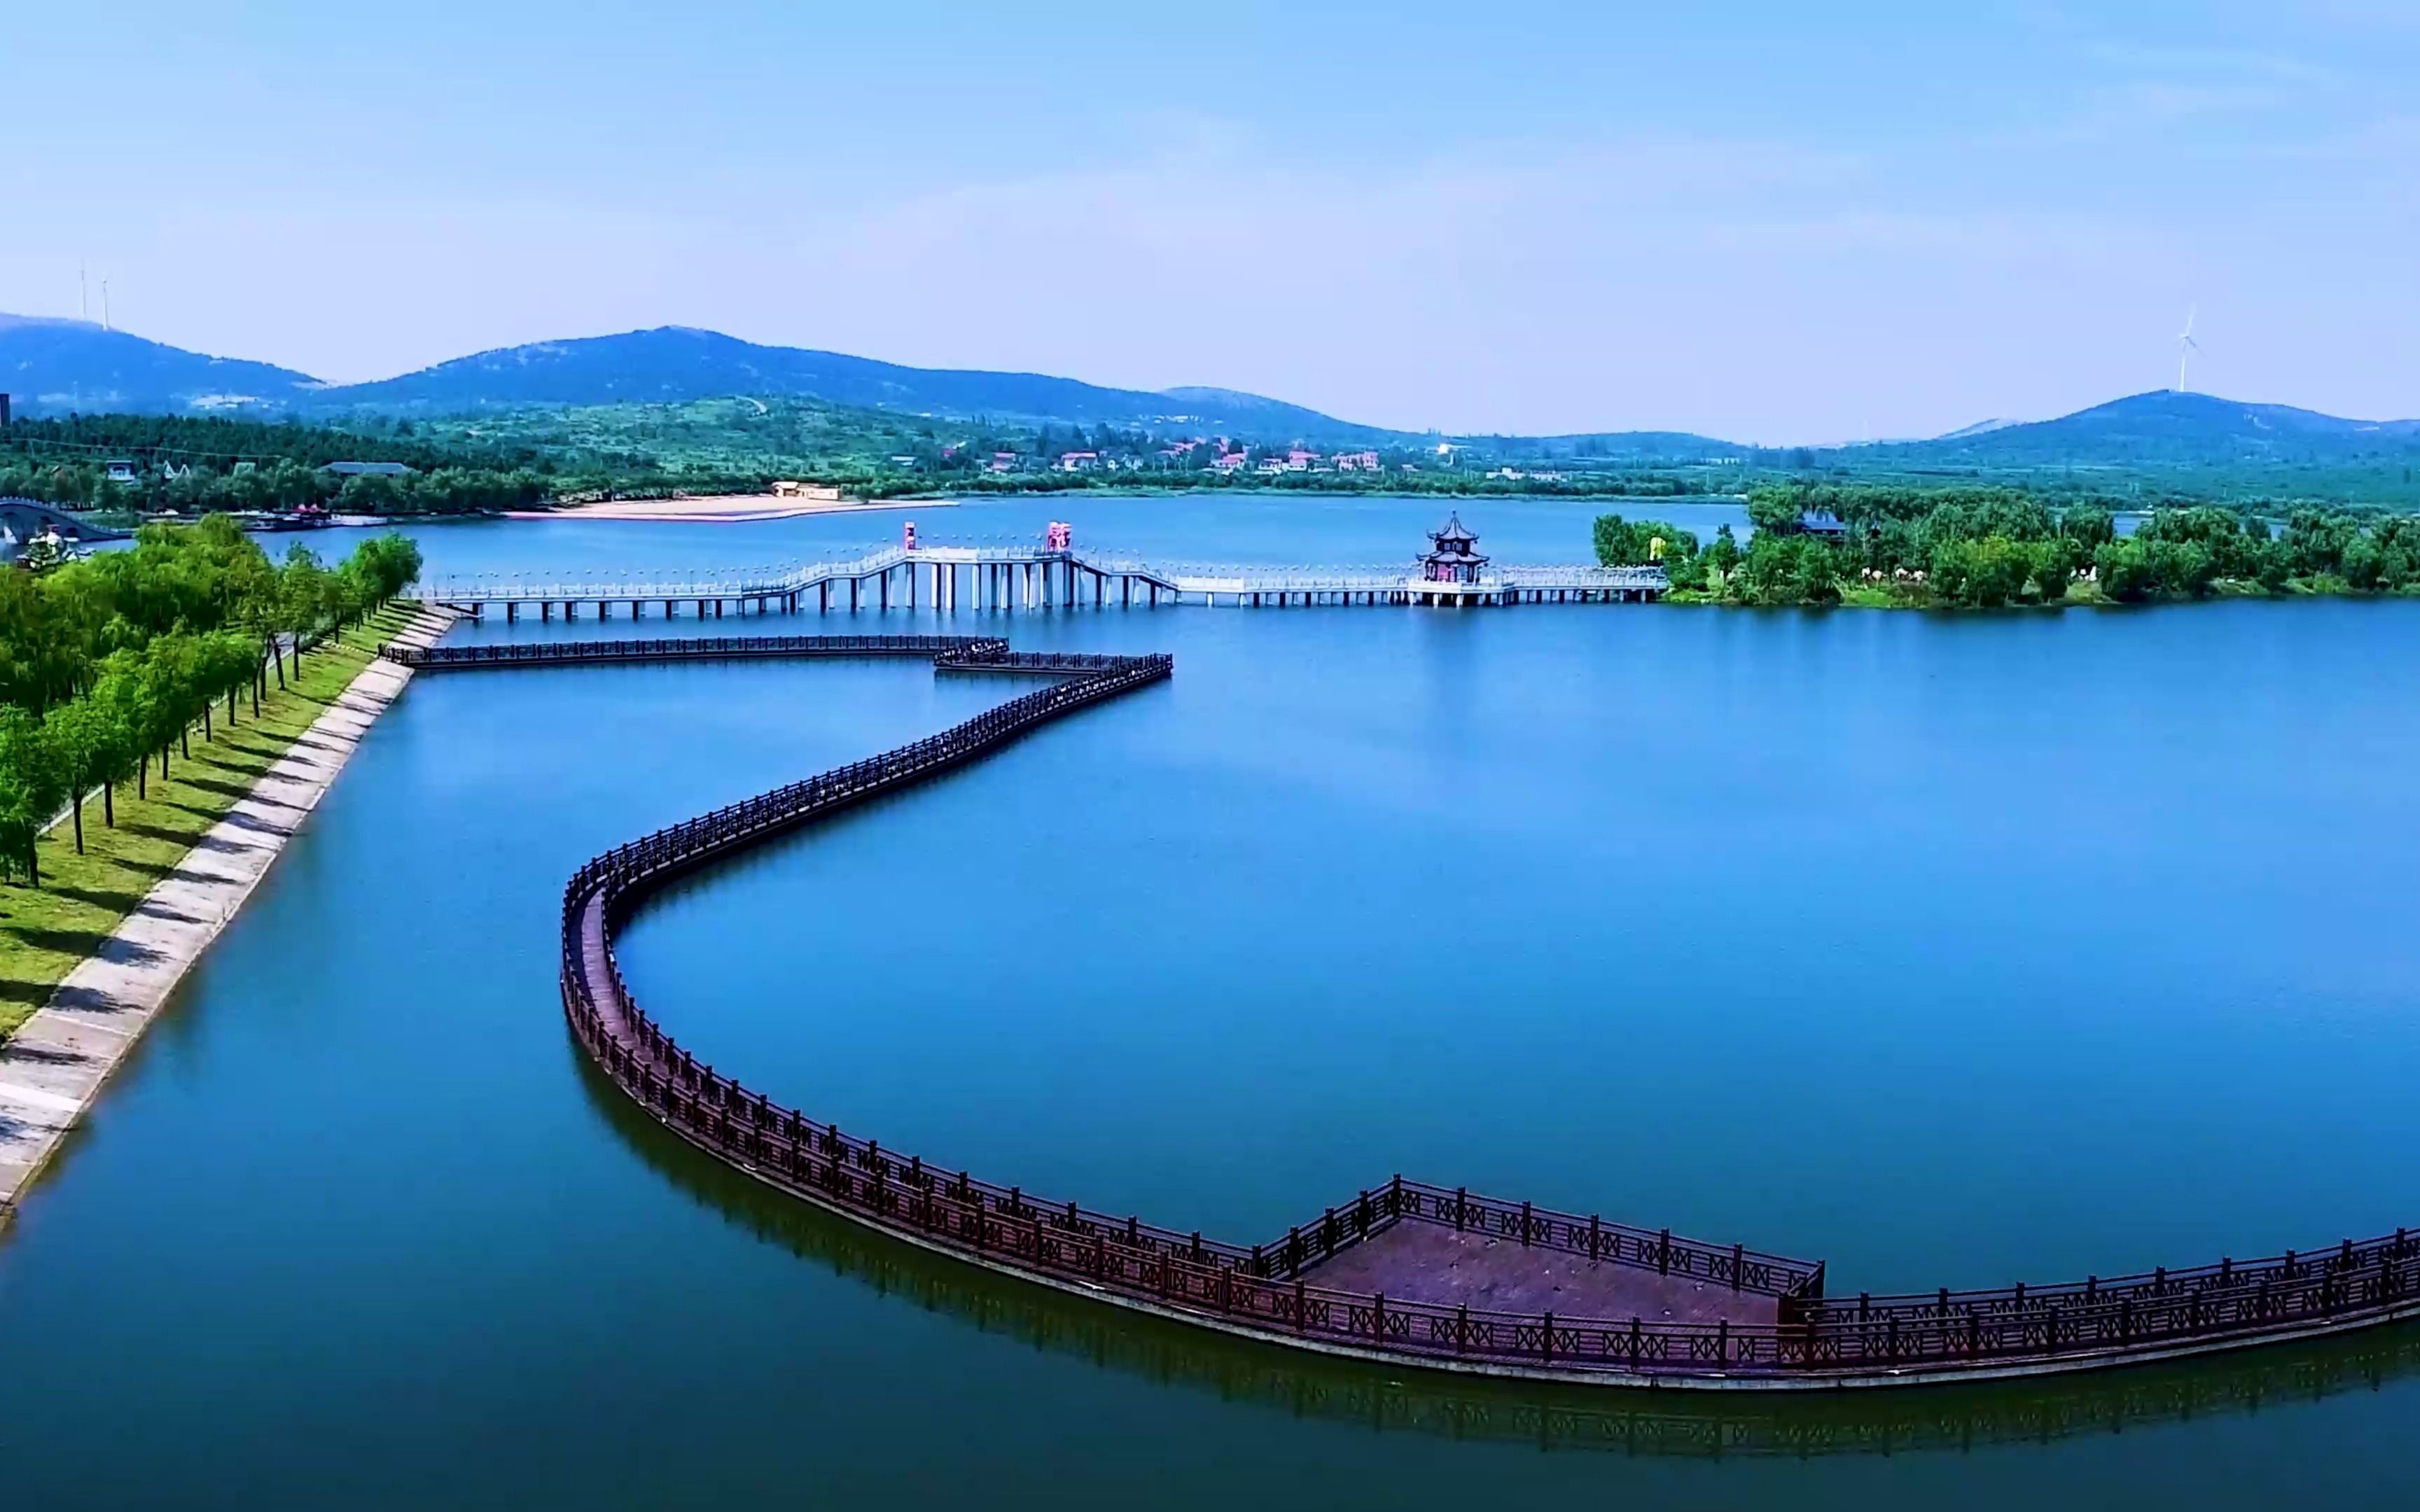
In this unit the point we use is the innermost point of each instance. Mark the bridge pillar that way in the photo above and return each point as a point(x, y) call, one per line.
point(545, 609)
point(512, 611)
point(718, 608)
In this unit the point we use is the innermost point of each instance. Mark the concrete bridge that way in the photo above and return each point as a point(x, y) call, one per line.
point(1004, 578)
point(25, 518)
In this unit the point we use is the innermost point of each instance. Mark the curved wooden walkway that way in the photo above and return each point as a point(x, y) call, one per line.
point(1404, 1273)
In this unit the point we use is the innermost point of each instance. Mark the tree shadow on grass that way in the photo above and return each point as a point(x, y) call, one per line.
point(117, 903)
point(159, 832)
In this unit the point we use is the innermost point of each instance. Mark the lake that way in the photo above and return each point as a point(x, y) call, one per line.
point(1949, 950)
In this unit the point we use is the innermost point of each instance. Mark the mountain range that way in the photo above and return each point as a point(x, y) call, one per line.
point(55, 366)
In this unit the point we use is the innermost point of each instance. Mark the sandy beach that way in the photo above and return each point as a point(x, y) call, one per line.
point(723, 509)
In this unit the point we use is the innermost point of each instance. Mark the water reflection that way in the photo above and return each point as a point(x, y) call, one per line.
point(1700, 1425)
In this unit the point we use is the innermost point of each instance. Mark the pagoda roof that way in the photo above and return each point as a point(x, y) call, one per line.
point(1452, 531)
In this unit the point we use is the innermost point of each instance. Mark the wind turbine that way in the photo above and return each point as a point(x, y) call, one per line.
point(2186, 346)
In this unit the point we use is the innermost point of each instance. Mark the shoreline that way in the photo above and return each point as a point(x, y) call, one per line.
point(53, 1067)
point(717, 509)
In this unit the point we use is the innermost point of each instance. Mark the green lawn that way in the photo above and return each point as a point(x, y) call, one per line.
point(45, 932)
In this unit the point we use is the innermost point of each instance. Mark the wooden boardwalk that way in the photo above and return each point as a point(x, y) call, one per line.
point(1404, 1273)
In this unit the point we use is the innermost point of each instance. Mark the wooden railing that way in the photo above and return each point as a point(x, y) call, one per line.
point(693, 648)
point(1265, 1289)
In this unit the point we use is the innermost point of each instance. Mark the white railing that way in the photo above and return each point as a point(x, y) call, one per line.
point(1183, 578)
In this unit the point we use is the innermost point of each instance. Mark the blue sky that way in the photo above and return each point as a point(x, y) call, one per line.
point(1771, 222)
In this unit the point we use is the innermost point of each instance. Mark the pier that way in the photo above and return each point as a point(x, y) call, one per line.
point(1011, 577)
point(1404, 1273)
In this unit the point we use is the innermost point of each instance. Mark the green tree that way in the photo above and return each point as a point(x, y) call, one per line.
point(1622, 543)
point(30, 786)
point(123, 691)
point(1725, 553)
point(83, 739)
point(303, 596)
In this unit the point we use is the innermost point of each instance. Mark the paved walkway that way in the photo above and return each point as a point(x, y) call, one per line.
point(52, 1069)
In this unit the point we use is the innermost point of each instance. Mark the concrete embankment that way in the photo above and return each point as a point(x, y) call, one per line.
point(53, 1067)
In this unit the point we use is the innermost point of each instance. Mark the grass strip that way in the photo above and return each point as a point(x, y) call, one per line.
point(45, 932)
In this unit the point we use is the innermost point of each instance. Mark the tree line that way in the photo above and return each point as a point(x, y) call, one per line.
point(277, 487)
point(206, 465)
point(107, 663)
point(1981, 547)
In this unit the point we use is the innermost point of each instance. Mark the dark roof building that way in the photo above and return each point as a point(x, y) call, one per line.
point(1453, 556)
point(1822, 522)
point(369, 470)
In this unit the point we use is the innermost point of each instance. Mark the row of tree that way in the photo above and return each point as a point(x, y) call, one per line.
point(275, 488)
point(108, 662)
point(1982, 547)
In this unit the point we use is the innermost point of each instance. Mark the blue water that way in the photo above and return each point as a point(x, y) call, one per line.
point(1951, 950)
point(1271, 529)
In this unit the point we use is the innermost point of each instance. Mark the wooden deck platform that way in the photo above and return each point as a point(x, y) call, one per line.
point(1429, 1262)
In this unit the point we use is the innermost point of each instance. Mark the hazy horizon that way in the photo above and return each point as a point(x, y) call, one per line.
point(1761, 225)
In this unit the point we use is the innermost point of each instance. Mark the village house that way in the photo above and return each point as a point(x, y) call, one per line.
point(1078, 461)
point(1357, 461)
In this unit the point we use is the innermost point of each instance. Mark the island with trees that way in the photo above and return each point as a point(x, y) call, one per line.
point(1990, 548)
